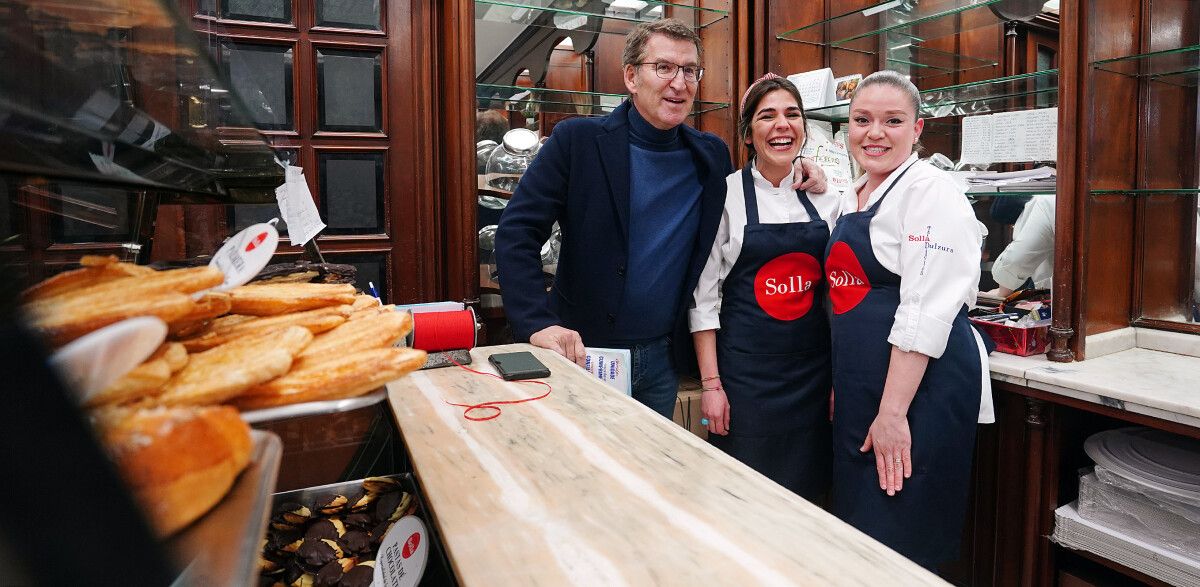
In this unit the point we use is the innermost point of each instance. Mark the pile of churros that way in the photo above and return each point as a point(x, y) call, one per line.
point(254, 346)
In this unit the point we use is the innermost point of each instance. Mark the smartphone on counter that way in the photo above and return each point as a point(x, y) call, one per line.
point(520, 365)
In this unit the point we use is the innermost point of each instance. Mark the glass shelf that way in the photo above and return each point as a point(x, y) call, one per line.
point(591, 16)
point(1015, 92)
point(919, 62)
point(1148, 192)
point(929, 19)
point(547, 100)
point(1180, 67)
point(1012, 194)
point(121, 93)
point(903, 32)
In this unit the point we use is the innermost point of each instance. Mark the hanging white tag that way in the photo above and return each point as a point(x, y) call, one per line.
point(297, 207)
point(402, 554)
point(245, 254)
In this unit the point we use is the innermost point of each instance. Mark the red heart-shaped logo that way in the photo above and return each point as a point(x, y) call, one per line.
point(848, 283)
point(783, 286)
point(258, 240)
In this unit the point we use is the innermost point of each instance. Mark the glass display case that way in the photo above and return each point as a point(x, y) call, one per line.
point(119, 93)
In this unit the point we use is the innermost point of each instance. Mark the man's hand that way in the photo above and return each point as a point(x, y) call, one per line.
point(561, 340)
point(809, 176)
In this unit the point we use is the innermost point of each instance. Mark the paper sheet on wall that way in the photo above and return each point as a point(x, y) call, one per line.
point(297, 207)
point(610, 366)
point(816, 87)
point(1011, 137)
point(977, 139)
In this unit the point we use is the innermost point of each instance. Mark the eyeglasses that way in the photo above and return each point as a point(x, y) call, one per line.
point(668, 70)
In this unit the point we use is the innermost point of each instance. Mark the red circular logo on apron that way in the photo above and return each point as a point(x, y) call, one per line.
point(784, 285)
point(848, 283)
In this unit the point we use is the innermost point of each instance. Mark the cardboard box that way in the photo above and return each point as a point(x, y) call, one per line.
point(687, 410)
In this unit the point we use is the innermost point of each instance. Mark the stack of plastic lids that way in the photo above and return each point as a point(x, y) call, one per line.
point(1140, 504)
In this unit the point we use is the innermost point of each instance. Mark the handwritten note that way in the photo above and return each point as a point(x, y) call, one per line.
point(297, 207)
point(1011, 137)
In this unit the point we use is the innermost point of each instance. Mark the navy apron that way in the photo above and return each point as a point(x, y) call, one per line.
point(924, 520)
point(773, 350)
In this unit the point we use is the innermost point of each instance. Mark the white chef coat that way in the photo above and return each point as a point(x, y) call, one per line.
point(926, 232)
point(1031, 252)
point(776, 205)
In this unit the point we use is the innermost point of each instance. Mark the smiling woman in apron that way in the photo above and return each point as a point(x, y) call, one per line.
point(909, 371)
point(759, 322)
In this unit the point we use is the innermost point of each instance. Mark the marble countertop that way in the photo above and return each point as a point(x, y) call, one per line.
point(1144, 381)
point(587, 486)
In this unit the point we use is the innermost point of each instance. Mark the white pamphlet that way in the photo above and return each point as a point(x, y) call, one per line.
point(610, 366)
point(816, 87)
point(297, 207)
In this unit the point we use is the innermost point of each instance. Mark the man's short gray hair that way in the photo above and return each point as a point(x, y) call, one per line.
point(635, 42)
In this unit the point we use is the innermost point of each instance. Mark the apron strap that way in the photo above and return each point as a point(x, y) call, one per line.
point(887, 191)
point(813, 216)
point(748, 192)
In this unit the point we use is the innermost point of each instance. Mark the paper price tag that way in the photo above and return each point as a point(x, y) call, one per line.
point(402, 554)
point(297, 207)
point(245, 254)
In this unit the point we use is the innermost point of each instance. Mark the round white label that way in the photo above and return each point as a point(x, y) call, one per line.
point(402, 554)
point(245, 254)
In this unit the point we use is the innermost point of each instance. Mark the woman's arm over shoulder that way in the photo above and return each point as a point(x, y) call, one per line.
point(939, 264)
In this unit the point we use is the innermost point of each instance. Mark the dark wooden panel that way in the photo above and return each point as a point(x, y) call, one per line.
point(721, 54)
point(607, 58)
point(456, 148)
point(1166, 227)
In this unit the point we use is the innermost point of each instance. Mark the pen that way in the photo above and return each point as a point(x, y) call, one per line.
point(373, 292)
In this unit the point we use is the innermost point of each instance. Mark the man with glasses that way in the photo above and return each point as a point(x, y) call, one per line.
point(638, 195)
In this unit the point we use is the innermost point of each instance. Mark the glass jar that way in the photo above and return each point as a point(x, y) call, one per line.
point(509, 161)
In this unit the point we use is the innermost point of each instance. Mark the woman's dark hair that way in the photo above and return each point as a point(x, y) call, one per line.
point(755, 95)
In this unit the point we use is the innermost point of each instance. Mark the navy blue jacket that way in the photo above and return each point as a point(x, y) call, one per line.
point(581, 178)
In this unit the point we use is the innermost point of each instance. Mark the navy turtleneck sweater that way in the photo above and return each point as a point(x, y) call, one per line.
point(664, 215)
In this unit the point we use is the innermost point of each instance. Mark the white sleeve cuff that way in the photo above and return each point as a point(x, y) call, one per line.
point(923, 333)
point(704, 319)
point(1004, 276)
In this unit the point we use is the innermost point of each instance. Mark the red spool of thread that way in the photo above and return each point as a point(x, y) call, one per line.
point(443, 331)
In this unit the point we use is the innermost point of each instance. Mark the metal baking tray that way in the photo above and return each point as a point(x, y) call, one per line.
point(332, 406)
point(437, 570)
point(221, 548)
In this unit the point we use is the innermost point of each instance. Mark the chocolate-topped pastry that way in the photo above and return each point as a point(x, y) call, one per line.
point(356, 541)
point(278, 539)
point(332, 505)
point(317, 553)
point(360, 520)
point(379, 531)
point(294, 513)
point(326, 528)
point(360, 576)
point(363, 502)
point(306, 272)
point(292, 571)
point(330, 574)
point(386, 504)
point(380, 485)
point(283, 526)
point(305, 580)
